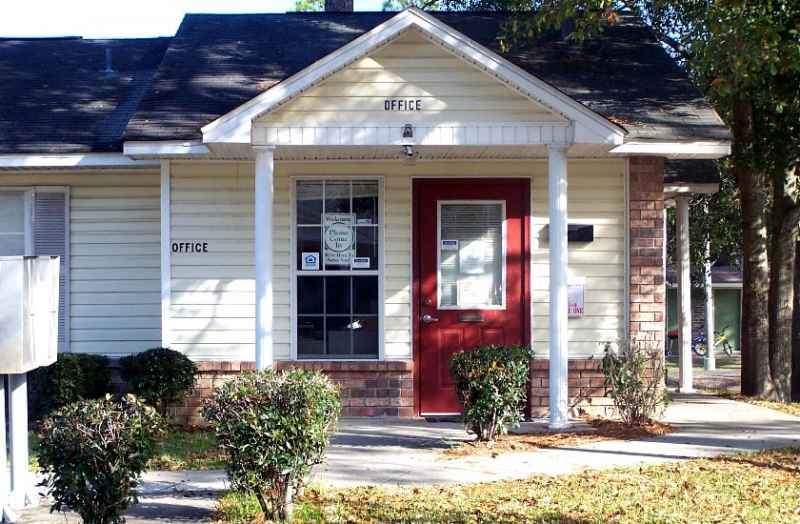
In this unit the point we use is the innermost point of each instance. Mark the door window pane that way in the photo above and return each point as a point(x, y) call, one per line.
point(471, 262)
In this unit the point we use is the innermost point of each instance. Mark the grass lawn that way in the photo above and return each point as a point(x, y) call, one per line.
point(177, 450)
point(760, 487)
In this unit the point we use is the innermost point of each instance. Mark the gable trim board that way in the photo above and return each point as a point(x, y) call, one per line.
point(237, 125)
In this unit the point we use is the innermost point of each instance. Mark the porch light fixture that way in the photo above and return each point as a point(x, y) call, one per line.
point(408, 151)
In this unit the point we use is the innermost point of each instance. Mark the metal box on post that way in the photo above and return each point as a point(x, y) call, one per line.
point(28, 340)
point(28, 313)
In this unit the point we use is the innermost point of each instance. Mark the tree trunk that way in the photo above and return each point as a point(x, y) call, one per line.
point(756, 376)
point(781, 306)
point(796, 328)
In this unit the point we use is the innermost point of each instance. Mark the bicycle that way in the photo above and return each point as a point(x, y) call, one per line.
point(721, 339)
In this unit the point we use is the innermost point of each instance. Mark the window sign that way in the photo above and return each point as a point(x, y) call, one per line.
point(310, 261)
point(473, 256)
point(339, 238)
point(575, 300)
point(449, 245)
point(359, 263)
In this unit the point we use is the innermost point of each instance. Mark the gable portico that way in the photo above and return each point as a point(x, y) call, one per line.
point(349, 100)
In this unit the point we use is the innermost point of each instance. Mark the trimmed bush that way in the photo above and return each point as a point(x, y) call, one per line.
point(274, 426)
point(490, 382)
point(161, 376)
point(633, 379)
point(73, 377)
point(92, 453)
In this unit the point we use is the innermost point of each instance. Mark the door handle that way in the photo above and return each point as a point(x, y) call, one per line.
point(427, 319)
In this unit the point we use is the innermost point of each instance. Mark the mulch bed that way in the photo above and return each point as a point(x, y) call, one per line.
point(602, 429)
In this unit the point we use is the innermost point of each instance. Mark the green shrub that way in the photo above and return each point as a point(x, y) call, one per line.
point(161, 376)
point(633, 379)
point(73, 377)
point(274, 426)
point(92, 453)
point(490, 382)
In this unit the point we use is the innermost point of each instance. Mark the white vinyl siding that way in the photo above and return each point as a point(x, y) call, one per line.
point(449, 89)
point(114, 256)
point(212, 294)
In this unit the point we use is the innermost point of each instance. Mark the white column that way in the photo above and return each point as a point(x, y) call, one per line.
point(557, 205)
point(263, 255)
point(684, 294)
point(710, 362)
point(18, 422)
point(166, 255)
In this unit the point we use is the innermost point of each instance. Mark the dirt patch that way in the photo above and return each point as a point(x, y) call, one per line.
point(601, 429)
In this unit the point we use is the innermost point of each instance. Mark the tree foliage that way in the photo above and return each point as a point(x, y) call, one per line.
point(745, 56)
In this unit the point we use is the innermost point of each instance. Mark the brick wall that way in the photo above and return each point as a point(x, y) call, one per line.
point(647, 294)
point(368, 389)
point(210, 376)
point(586, 388)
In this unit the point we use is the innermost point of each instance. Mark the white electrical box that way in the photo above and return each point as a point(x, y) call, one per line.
point(28, 313)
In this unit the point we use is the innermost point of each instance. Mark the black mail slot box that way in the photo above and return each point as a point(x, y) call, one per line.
point(575, 233)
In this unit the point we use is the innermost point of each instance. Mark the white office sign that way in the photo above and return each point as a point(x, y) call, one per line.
point(339, 238)
point(575, 300)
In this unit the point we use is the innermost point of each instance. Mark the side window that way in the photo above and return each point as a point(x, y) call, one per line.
point(12, 223)
point(337, 234)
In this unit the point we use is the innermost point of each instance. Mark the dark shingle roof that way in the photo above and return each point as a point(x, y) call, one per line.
point(217, 62)
point(55, 99)
point(691, 172)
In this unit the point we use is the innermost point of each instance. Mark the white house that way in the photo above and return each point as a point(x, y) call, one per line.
point(361, 193)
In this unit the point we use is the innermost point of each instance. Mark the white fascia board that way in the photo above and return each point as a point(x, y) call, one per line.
point(686, 187)
point(71, 160)
point(707, 149)
point(236, 125)
point(164, 148)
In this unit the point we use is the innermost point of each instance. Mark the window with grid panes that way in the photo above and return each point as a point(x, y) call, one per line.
point(337, 235)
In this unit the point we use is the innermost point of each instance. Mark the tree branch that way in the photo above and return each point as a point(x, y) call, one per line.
point(674, 45)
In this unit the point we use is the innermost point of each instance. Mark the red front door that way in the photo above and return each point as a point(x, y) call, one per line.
point(470, 250)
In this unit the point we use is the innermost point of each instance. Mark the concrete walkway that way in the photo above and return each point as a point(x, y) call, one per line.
point(394, 451)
